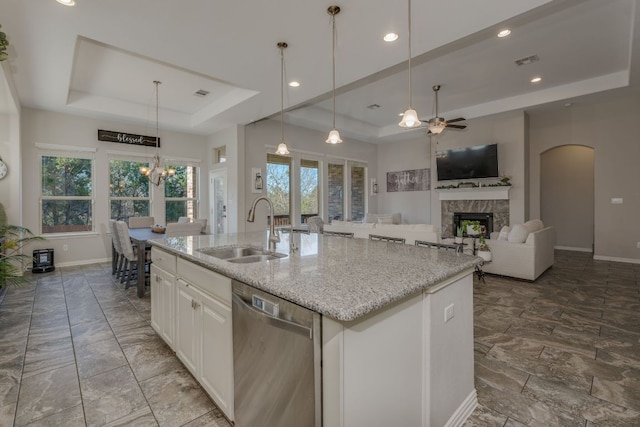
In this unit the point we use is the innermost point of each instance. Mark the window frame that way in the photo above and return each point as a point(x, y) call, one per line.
point(61, 151)
point(292, 186)
point(196, 199)
point(130, 157)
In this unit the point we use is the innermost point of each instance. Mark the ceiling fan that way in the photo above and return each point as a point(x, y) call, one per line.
point(438, 124)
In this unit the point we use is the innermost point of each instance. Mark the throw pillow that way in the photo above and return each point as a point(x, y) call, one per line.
point(518, 234)
point(533, 225)
point(370, 218)
point(385, 219)
point(504, 233)
point(397, 218)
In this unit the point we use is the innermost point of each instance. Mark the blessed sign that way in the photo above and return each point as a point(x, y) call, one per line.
point(127, 138)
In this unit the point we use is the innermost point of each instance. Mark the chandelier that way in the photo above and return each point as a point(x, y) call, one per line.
point(410, 117)
point(334, 135)
point(283, 150)
point(157, 173)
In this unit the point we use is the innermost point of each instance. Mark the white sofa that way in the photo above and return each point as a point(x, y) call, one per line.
point(526, 260)
point(409, 232)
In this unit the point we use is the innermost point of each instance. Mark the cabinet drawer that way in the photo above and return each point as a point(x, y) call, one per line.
point(206, 280)
point(164, 260)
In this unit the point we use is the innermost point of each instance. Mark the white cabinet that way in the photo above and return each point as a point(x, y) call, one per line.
point(163, 269)
point(203, 334)
point(188, 325)
point(216, 353)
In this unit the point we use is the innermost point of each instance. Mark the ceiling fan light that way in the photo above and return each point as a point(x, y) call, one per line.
point(282, 149)
point(437, 125)
point(334, 137)
point(410, 119)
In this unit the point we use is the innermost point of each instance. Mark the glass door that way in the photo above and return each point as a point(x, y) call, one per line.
point(218, 204)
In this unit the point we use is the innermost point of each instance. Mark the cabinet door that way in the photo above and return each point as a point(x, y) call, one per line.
point(156, 300)
point(162, 303)
point(217, 353)
point(188, 330)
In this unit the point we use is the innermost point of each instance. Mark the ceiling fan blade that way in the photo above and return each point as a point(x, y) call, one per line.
point(456, 126)
point(459, 119)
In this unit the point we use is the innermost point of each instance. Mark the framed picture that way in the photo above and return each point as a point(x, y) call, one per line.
point(410, 180)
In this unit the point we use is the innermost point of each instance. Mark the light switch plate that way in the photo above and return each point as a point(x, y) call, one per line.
point(449, 312)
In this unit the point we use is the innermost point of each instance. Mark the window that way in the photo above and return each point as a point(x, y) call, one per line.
point(358, 192)
point(336, 196)
point(128, 190)
point(66, 194)
point(181, 193)
point(309, 195)
point(279, 187)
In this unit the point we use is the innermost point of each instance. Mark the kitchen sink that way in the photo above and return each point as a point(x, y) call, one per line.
point(240, 254)
point(255, 258)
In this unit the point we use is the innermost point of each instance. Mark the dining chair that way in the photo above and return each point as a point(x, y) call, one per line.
point(339, 234)
point(184, 220)
point(457, 248)
point(175, 229)
point(316, 224)
point(115, 240)
point(386, 238)
point(141, 221)
point(129, 252)
point(203, 222)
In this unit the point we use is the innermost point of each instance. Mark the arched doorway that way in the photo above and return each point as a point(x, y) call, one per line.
point(567, 195)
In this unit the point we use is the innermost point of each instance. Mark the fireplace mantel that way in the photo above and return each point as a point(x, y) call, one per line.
point(475, 193)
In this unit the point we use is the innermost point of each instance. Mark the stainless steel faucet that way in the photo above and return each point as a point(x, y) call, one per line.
point(274, 236)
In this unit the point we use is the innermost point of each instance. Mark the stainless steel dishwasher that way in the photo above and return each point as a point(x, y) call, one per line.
point(276, 361)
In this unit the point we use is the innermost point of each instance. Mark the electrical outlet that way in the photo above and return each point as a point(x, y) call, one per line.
point(65, 248)
point(449, 312)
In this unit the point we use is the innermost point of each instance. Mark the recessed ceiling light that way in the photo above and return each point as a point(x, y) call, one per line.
point(67, 2)
point(536, 79)
point(390, 37)
point(504, 33)
point(294, 84)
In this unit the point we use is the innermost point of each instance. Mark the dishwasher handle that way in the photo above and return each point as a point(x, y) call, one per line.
point(275, 321)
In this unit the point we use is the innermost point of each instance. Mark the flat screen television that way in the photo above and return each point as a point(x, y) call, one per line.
point(480, 161)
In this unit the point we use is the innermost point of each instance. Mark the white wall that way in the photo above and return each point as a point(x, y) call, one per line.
point(415, 206)
point(54, 128)
point(611, 127)
point(310, 142)
point(11, 185)
point(508, 130)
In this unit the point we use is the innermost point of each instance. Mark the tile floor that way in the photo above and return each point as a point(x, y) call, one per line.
point(77, 349)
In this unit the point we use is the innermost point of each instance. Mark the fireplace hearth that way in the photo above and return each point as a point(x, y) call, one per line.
point(485, 219)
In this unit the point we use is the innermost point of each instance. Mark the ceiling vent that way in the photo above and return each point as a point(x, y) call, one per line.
point(373, 106)
point(201, 92)
point(527, 60)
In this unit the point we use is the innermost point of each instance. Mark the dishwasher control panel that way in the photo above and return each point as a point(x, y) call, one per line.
point(265, 306)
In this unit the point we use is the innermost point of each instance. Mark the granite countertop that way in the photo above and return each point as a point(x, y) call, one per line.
point(338, 277)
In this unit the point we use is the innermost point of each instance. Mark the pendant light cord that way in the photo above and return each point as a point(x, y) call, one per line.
point(282, 92)
point(157, 82)
point(410, 95)
point(333, 47)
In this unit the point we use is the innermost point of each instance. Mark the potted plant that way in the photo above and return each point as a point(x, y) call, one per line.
point(472, 228)
point(459, 235)
point(12, 239)
point(483, 251)
point(3, 45)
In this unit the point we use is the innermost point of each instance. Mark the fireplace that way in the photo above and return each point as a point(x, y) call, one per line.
point(485, 219)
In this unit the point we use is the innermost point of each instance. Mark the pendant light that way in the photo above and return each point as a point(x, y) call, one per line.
point(334, 135)
point(410, 117)
point(157, 173)
point(282, 147)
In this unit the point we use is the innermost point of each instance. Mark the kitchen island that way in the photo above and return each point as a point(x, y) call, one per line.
point(397, 321)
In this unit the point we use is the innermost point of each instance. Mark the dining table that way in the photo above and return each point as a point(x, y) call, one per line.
point(140, 237)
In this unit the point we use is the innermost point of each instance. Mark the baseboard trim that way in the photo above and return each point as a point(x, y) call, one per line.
point(83, 262)
point(463, 412)
point(572, 248)
point(616, 259)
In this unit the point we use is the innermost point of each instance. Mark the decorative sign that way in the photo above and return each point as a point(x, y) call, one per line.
point(411, 180)
point(127, 138)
